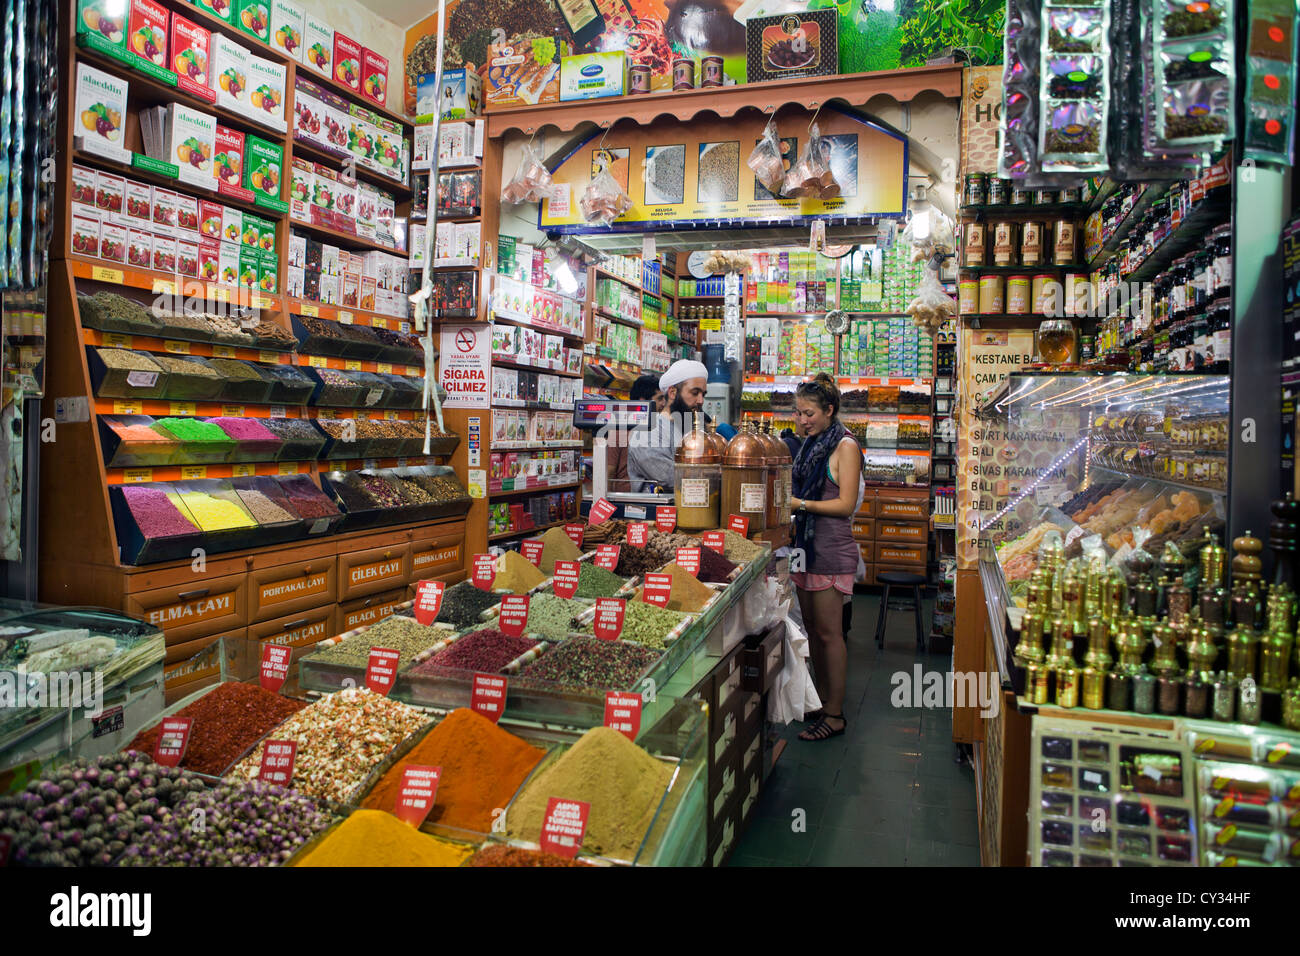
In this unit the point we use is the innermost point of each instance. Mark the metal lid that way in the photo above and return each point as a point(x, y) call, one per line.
point(696, 448)
point(773, 445)
point(719, 443)
point(746, 450)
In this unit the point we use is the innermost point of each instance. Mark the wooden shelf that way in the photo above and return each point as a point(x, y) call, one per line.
point(117, 273)
point(356, 464)
point(148, 343)
point(358, 365)
point(127, 476)
point(533, 406)
point(1055, 210)
point(197, 14)
point(536, 368)
point(345, 239)
point(538, 529)
point(306, 149)
point(534, 490)
point(324, 310)
point(345, 91)
point(605, 273)
point(535, 446)
point(1013, 270)
point(631, 323)
point(511, 319)
point(327, 412)
point(87, 158)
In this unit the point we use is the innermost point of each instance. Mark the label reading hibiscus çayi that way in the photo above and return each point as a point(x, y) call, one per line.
point(255, 19)
point(266, 91)
point(287, 28)
point(374, 76)
point(347, 61)
point(100, 106)
point(148, 32)
point(193, 136)
point(190, 50)
point(318, 45)
point(230, 70)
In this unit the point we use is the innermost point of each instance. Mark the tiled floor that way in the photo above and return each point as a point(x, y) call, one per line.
point(888, 792)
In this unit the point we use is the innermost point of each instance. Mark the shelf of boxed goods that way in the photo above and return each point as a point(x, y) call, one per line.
point(615, 317)
point(546, 369)
point(536, 529)
point(305, 149)
point(117, 273)
point(518, 318)
point(540, 486)
point(349, 315)
point(349, 240)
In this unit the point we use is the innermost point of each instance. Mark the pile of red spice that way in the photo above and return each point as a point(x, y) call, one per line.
point(487, 651)
point(500, 855)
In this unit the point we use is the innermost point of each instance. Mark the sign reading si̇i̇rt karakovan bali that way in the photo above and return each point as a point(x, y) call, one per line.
point(697, 174)
point(464, 364)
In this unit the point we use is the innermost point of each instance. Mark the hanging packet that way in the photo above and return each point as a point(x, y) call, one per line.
point(20, 158)
point(1194, 72)
point(531, 181)
point(1074, 90)
point(767, 161)
point(812, 177)
point(604, 200)
point(1270, 82)
point(6, 137)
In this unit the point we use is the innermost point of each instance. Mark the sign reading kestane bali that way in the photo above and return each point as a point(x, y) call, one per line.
point(465, 361)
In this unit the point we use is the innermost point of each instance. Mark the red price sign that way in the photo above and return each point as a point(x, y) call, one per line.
point(532, 550)
point(428, 601)
point(565, 581)
point(600, 512)
point(485, 571)
point(275, 667)
point(716, 540)
point(638, 533)
point(381, 670)
point(688, 559)
point(489, 696)
point(666, 519)
point(575, 533)
point(514, 614)
point(608, 623)
point(607, 556)
point(172, 741)
point(658, 589)
point(564, 826)
point(416, 793)
point(277, 762)
point(738, 524)
point(623, 713)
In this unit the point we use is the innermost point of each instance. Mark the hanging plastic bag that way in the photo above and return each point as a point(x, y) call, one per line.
point(932, 306)
point(793, 692)
point(604, 200)
point(531, 181)
point(766, 160)
point(811, 176)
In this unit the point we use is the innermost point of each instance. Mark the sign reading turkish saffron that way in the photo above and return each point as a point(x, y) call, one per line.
point(564, 826)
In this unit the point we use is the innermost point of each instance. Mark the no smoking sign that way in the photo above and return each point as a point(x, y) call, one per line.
point(465, 365)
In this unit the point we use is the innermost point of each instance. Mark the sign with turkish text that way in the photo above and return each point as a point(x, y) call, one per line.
point(173, 738)
point(277, 762)
point(717, 540)
point(564, 826)
point(658, 589)
point(465, 365)
point(428, 601)
point(623, 713)
point(666, 519)
point(531, 549)
point(638, 533)
point(514, 614)
point(608, 623)
point(488, 696)
point(600, 512)
point(381, 670)
point(575, 533)
point(738, 524)
point(565, 581)
point(416, 793)
point(485, 571)
point(607, 556)
point(688, 559)
point(275, 667)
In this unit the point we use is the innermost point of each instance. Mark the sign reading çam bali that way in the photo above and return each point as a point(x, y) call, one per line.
point(696, 174)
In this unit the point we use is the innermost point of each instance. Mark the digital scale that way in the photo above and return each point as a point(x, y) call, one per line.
point(596, 414)
point(593, 414)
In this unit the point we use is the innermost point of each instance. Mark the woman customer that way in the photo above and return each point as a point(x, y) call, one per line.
point(826, 483)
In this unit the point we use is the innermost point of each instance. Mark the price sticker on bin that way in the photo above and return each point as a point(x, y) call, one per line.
point(275, 667)
point(277, 762)
point(565, 581)
point(564, 826)
point(173, 738)
point(381, 670)
point(428, 601)
point(514, 614)
point(608, 623)
point(623, 713)
point(607, 556)
point(416, 793)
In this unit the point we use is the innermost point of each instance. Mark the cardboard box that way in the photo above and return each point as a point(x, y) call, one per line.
point(792, 45)
point(263, 166)
point(106, 21)
point(301, 187)
point(187, 216)
point(297, 251)
point(460, 96)
point(211, 215)
point(229, 264)
point(139, 248)
point(590, 76)
point(517, 76)
point(374, 76)
point(190, 52)
point(230, 70)
point(221, 9)
point(164, 208)
point(187, 258)
point(266, 94)
point(249, 262)
point(191, 136)
point(83, 186)
point(255, 19)
point(100, 106)
point(287, 25)
point(147, 37)
point(164, 254)
point(139, 200)
point(232, 225)
point(347, 61)
point(228, 161)
point(368, 291)
point(210, 259)
point(294, 281)
point(251, 236)
point(112, 242)
point(85, 235)
point(318, 44)
point(268, 273)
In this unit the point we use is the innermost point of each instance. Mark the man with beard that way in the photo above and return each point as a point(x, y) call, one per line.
point(650, 458)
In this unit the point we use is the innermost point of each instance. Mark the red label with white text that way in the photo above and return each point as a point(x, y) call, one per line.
point(564, 826)
point(658, 589)
point(689, 559)
point(600, 511)
point(666, 518)
point(623, 713)
point(638, 533)
point(381, 671)
point(575, 533)
point(275, 667)
point(489, 696)
point(738, 524)
point(277, 762)
point(428, 601)
point(416, 793)
point(608, 623)
point(565, 582)
point(607, 556)
point(172, 741)
point(532, 550)
point(717, 540)
point(514, 614)
point(485, 571)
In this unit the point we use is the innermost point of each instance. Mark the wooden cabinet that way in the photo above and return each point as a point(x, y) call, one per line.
point(201, 607)
point(906, 508)
point(368, 610)
point(864, 529)
point(285, 589)
point(435, 554)
point(893, 530)
point(371, 570)
point(906, 532)
point(299, 629)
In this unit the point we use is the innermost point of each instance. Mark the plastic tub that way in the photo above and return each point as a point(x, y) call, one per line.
point(130, 441)
point(121, 373)
point(201, 443)
point(335, 388)
point(303, 441)
point(190, 378)
point(152, 524)
point(244, 381)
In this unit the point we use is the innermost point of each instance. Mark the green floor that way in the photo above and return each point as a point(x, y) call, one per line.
point(888, 792)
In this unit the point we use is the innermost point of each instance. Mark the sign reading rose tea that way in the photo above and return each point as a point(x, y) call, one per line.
point(275, 667)
point(565, 581)
point(416, 793)
point(277, 762)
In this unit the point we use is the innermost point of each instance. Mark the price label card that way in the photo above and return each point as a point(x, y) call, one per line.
point(666, 519)
point(242, 471)
point(232, 411)
point(638, 533)
point(377, 323)
point(738, 524)
point(608, 623)
point(177, 348)
point(172, 741)
point(715, 540)
point(347, 318)
point(126, 408)
point(575, 533)
point(275, 667)
point(223, 351)
point(531, 549)
point(118, 339)
point(489, 696)
point(564, 826)
point(309, 309)
point(193, 471)
point(565, 582)
point(514, 614)
point(135, 476)
point(100, 274)
point(381, 671)
point(689, 560)
point(287, 467)
point(277, 762)
point(182, 408)
point(416, 793)
point(428, 601)
point(600, 511)
point(607, 556)
point(658, 589)
point(485, 571)
point(384, 368)
point(317, 361)
point(352, 365)
point(271, 357)
point(623, 713)
point(164, 286)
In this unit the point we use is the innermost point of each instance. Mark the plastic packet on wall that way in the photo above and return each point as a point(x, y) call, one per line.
point(1017, 139)
point(1270, 82)
point(1074, 89)
point(1182, 18)
point(1074, 135)
point(1075, 29)
point(531, 181)
point(932, 306)
point(812, 176)
point(604, 200)
point(766, 160)
point(21, 181)
point(1198, 111)
point(1189, 110)
point(1075, 77)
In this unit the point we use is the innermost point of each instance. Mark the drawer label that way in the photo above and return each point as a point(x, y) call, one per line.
point(367, 615)
point(901, 531)
point(377, 571)
point(901, 554)
point(301, 636)
point(192, 612)
point(277, 592)
point(437, 556)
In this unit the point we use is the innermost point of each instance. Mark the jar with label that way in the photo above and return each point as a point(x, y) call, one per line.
point(1070, 194)
point(711, 71)
point(1056, 342)
point(1020, 196)
point(973, 249)
point(999, 191)
point(1063, 240)
point(1031, 243)
point(1018, 290)
point(1218, 320)
point(1044, 197)
point(698, 487)
point(683, 73)
point(1220, 245)
point(638, 78)
point(992, 299)
point(976, 193)
point(968, 296)
point(744, 479)
point(1047, 295)
point(1004, 243)
point(1178, 290)
point(1202, 276)
point(1199, 336)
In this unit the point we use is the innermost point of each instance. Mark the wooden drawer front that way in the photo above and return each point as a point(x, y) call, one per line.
point(907, 509)
point(433, 558)
point(287, 588)
point(864, 528)
point(297, 630)
point(368, 610)
point(202, 607)
point(868, 506)
point(373, 570)
point(191, 665)
point(898, 554)
point(901, 531)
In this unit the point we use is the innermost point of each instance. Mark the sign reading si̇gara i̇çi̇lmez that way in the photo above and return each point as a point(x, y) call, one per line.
point(465, 363)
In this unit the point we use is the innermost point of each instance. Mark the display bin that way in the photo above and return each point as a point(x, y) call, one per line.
point(345, 392)
point(200, 451)
point(250, 447)
point(182, 385)
point(337, 448)
point(442, 444)
point(138, 450)
point(388, 446)
point(150, 544)
point(303, 440)
point(411, 446)
point(446, 508)
point(400, 347)
point(362, 341)
point(208, 494)
point(272, 531)
point(148, 381)
point(309, 503)
point(184, 327)
point(377, 389)
point(314, 342)
point(289, 385)
point(360, 511)
point(253, 390)
point(135, 322)
point(406, 393)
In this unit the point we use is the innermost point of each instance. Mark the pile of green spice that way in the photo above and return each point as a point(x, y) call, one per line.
point(463, 603)
point(402, 634)
point(192, 429)
point(740, 549)
point(595, 582)
point(644, 624)
point(551, 617)
point(586, 662)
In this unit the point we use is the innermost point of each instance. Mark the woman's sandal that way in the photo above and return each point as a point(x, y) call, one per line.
point(822, 730)
point(813, 716)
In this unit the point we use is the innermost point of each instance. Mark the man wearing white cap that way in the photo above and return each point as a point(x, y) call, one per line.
point(650, 457)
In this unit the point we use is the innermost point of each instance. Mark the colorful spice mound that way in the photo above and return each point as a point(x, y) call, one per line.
point(252, 824)
point(264, 509)
point(557, 546)
point(482, 767)
point(86, 813)
point(515, 574)
point(487, 650)
point(308, 500)
point(191, 429)
point(135, 433)
point(498, 854)
point(644, 624)
point(714, 567)
point(623, 784)
point(660, 548)
point(584, 662)
point(227, 721)
point(375, 838)
point(463, 603)
point(596, 582)
point(740, 549)
point(402, 634)
point(245, 429)
point(551, 617)
point(687, 594)
point(214, 513)
point(340, 740)
point(155, 513)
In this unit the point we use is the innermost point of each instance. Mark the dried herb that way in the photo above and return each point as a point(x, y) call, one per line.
point(487, 650)
point(463, 603)
point(585, 662)
point(596, 582)
point(1186, 23)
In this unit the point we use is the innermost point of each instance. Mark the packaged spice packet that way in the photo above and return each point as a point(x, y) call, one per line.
point(1186, 19)
point(1074, 136)
point(767, 161)
point(1075, 77)
point(1017, 136)
point(1198, 111)
point(1076, 30)
point(1189, 39)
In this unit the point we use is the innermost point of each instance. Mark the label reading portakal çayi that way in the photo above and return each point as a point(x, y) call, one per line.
point(695, 492)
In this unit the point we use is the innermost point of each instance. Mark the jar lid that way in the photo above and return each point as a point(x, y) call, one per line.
point(696, 449)
point(746, 450)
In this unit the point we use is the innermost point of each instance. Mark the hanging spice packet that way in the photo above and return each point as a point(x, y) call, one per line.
point(1270, 82)
point(1076, 29)
point(1188, 19)
point(1075, 77)
point(1193, 109)
point(1074, 93)
point(1074, 136)
point(7, 186)
point(604, 200)
point(1197, 111)
point(812, 176)
point(1017, 133)
point(531, 181)
point(766, 160)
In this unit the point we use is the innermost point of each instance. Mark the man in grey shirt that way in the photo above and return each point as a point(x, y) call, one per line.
point(650, 456)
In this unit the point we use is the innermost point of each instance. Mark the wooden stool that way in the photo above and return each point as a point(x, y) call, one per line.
point(900, 579)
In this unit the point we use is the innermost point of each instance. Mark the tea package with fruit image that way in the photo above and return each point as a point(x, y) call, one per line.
point(263, 170)
point(228, 165)
point(191, 139)
point(266, 91)
point(148, 32)
point(223, 9)
point(230, 73)
point(254, 18)
point(347, 61)
point(318, 45)
point(287, 25)
point(190, 52)
point(374, 76)
point(100, 105)
point(101, 24)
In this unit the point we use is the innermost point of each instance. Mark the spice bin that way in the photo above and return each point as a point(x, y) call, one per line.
point(301, 439)
point(244, 382)
point(190, 378)
point(152, 523)
point(253, 440)
point(698, 488)
point(201, 443)
point(121, 373)
point(289, 385)
point(130, 441)
point(336, 388)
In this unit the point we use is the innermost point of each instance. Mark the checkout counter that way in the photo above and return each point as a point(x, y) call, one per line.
point(610, 421)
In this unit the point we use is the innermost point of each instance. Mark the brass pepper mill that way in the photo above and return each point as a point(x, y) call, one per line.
point(1172, 563)
point(1243, 648)
point(1274, 649)
point(1062, 649)
point(1281, 608)
point(1130, 643)
point(1115, 601)
point(1165, 641)
point(1098, 655)
point(1291, 705)
point(1034, 596)
point(1030, 647)
point(1145, 597)
point(1246, 564)
point(1201, 652)
point(1067, 686)
point(1094, 688)
point(1072, 598)
point(1213, 561)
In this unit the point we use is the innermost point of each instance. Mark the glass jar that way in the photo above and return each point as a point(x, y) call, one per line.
point(1218, 320)
point(744, 479)
point(1200, 279)
point(1220, 246)
point(1056, 342)
point(1177, 290)
point(698, 486)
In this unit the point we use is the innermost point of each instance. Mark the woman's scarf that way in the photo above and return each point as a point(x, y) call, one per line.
point(809, 475)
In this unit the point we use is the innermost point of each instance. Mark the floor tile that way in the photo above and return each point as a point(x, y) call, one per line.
point(945, 824)
point(922, 852)
point(775, 840)
point(866, 813)
point(877, 784)
point(781, 802)
point(838, 847)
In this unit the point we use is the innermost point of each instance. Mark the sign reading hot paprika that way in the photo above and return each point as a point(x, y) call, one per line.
point(514, 614)
point(608, 623)
point(485, 571)
point(666, 519)
point(173, 738)
point(607, 556)
point(275, 667)
point(428, 601)
point(532, 550)
point(381, 670)
point(565, 581)
point(488, 696)
point(689, 559)
point(658, 589)
point(416, 793)
point(564, 826)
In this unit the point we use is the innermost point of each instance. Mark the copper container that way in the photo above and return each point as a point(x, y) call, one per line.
point(783, 465)
point(698, 488)
point(744, 479)
point(776, 509)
